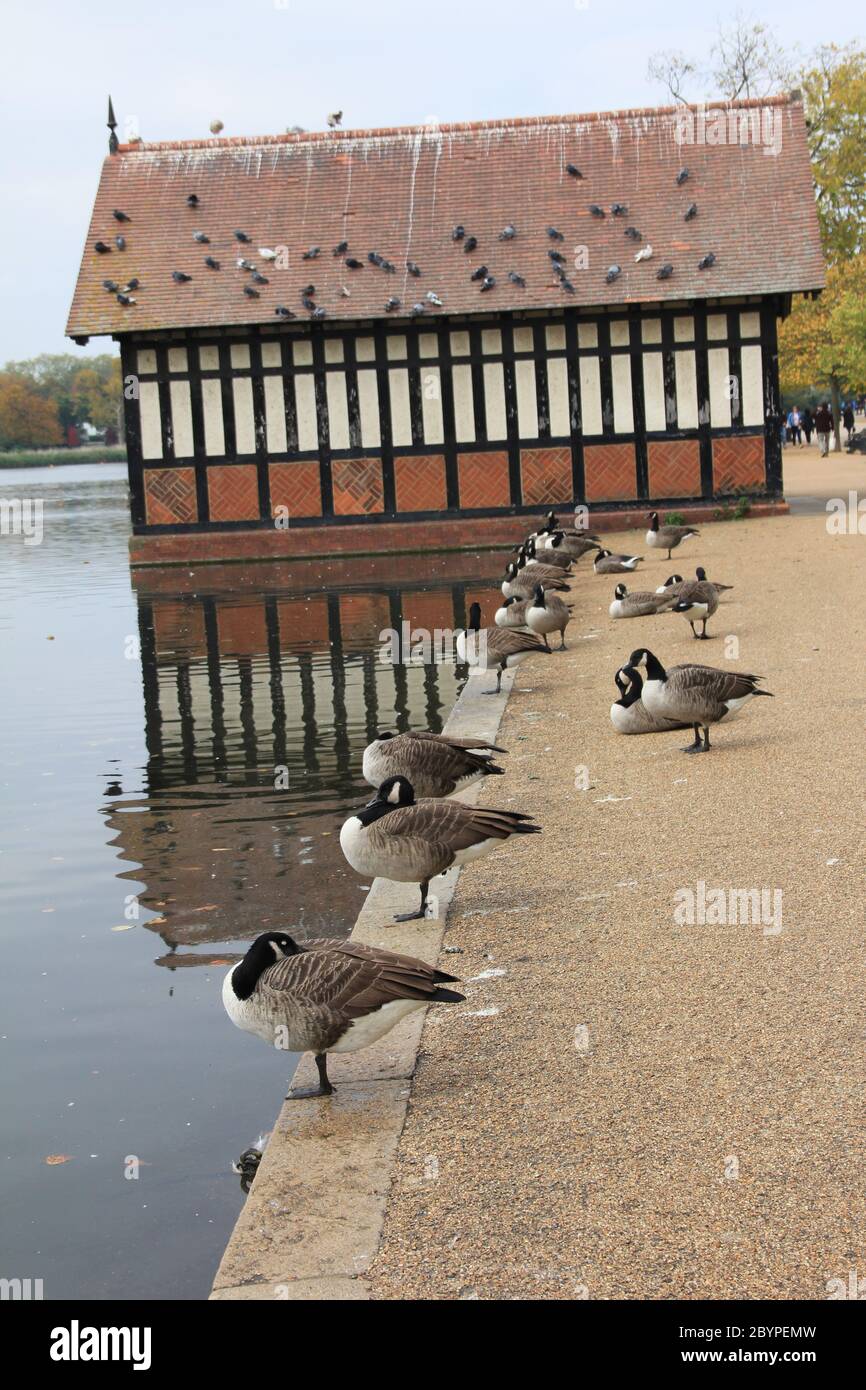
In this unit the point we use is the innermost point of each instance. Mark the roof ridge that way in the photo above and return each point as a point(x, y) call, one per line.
point(431, 128)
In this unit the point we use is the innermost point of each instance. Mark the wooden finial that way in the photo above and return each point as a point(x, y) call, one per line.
point(113, 141)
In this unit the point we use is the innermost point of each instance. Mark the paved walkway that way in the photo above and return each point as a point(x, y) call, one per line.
point(627, 1107)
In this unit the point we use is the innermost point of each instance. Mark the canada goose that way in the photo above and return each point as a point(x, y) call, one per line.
point(692, 694)
point(435, 764)
point(639, 604)
point(571, 543)
point(512, 613)
point(563, 559)
point(540, 569)
point(547, 613)
point(327, 996)
point(608, 563)
point(697, 601)
point(676, 584)
point(667, 537)
point(520, 583)
point(629, 714)
point(495, 648)
point(396, 837)
point(670, 583)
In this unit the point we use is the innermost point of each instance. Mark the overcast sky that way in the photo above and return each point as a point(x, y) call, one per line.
point(263, 65)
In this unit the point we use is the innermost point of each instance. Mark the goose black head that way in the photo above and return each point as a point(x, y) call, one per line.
point(700, 573)
point(380, 738)
point(654, 517)
point(474, 623)
point(601, 553)
point(265, 951)
point(511, 570)
point(635, 685)
point(396, 791)
point(551, 521)
point(512, 599)
point(538, 596)
point(654, 669)
point(674, 579)
point(556, 540)
point(621, 685)
point(620, 591)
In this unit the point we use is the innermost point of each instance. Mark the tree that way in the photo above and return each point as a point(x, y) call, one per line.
point(83, 390)
point(834, 101)
point(823, 341)
point(746, 60)
point(27, 418)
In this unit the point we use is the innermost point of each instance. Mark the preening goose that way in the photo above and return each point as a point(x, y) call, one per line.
point(692, 694)
point(520, 583)
point(697, 601)
point(629, 714)
point(608, 563)
point(639, 604)
point(327, 996)
point(512, 613)
point(547, 613)
point(435, 764)
point(495, 648)
point(667, 537)
point(571, 543)
point(394, 836)
point(670, 584)
point(676, 584)
point(562, 559)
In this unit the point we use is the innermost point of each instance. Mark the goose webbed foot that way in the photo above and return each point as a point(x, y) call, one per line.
point(420, 914)
point(697, 746)
point(325, 1086)
point(498, 689)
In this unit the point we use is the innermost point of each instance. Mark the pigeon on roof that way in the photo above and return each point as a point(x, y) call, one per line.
point(283, 312)
point(574, 171)
point(192, 200)
point(309, 290)
point(618, 209)
point(567, 285)
point(458, 233)
point(202, 238)
point(334, 119)
point(308, 302)
point(391, 304)
point(110, 285)
point(470, 244)
point(645, 253)
point(691, 212)
point(133, 285)
point(613, 273)
point(516, 279)
point(120, 242)
point(417, 308)
point(180, 276)
point(665, 272)
point(433, 299)
point(556, 256)
point(508, 233)
point(413, 269)
point(125, 300)
point(259, 279)
point(340, 249)
point(596, 210)
point(318, 314)
point(375, 258)
point(351, 263)
point(101, 248)
point(479, 273)
point(250, 292)
point(120, 216)
point(311, 253)
point(706, 261)
point(489, 282)
point(216, 126)
point(682, 175)
point(389, 267)
point(267, 254)
point(554, 234)
point(243, 264)
point(633, 234)
point(241, 236)
point(211, 263)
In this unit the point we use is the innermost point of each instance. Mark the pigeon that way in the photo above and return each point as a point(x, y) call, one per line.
point(341, 248)
point(352, 264)
point(295, 130)
point(433, 299)
point(516, 279)
point(508, 232)
point(555, 235)
point(120, 216)
point(318, 314)
point(347, 294)
point(706, 261)
point(489, 282)
point(682, 176)
point(267, 254)
point(413, 269)
point(417, 308)
point(110, 285)
point(120, 242)
point(691, 212)
point(133, 285)
point(374, 258)
point(283, 312)
point(241, 236)
point(470, 244)
point(645, 253)
point(388, 267)
point(574, 171)
point(334, 119)
point(596, 210)
point(259, 279)
point(216, 126)
point(556, 256)
point(618, 209)
point(180, 276)
point(250, 292)
point(311, 253)
point(567, 285)
point(665, 272)
point(391, 305)
point(124, 299)
point(192, 200)
point(309, 290)
point(613, 273)
point(458, 233)
point(243, 264)
point(307, 302)
point(202, 238)
point(479, 273)
point(101, 248)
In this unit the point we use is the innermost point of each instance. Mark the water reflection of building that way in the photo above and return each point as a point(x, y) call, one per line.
point(258, 704)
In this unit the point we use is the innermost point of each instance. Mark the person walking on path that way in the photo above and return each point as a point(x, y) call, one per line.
point(807, 423)
point(794, 425)
point(848, 420)
point(823, 427)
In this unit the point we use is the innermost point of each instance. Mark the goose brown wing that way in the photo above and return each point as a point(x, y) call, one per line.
point(506, 641)
point(349, 979)
point(676, 533)
point(706, 688)
point(446, 762)
point(456, 742)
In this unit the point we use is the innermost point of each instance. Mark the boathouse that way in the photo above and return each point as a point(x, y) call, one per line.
point(396, 340)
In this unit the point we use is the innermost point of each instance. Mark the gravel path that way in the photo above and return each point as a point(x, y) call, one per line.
point(627, 1107)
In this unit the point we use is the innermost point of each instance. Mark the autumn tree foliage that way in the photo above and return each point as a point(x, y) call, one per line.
point(46, 395)
point(27, 418)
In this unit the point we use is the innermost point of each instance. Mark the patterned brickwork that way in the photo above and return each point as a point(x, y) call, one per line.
point(546, 476)
point(674, 468)
point(169, 496)
point(357, 486)
point(420, 483)
point(483, 480)
point(296, 486)
point(738, 461)
point(609, 471)
point(233, 492)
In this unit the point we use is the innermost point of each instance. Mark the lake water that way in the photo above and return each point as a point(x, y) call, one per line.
point(176, 758)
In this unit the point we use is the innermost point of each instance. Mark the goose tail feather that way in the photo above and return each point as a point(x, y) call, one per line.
point(447, 996)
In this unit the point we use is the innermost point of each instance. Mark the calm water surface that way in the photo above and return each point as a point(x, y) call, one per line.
point(142, 842)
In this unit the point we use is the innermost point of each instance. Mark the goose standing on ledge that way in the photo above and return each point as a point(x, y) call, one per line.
point(327, 996)
point(606, 562)
point(692, 694)
point(629, 714)
point(667, 537)
point(496, 648)
point(435, 764)
point(408, 841)
point(547, 613)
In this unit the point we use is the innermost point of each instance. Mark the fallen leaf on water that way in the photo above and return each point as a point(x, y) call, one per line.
point(127, 926)
point(58, 1158)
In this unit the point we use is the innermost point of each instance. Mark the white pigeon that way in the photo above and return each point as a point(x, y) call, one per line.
point(433, 298)
point(266, 254)
point(644, 254)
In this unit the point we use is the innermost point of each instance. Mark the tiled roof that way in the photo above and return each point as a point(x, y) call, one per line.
point(401, 192)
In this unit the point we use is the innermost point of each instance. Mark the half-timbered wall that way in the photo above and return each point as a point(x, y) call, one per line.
point(327, 425)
